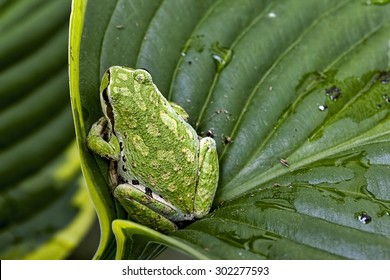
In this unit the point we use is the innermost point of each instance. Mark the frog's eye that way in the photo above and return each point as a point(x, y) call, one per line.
point(142, 76)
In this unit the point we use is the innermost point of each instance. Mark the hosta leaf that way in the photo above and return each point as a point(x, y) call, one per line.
point(296, 95)
point(137, 241)
point(45, 208)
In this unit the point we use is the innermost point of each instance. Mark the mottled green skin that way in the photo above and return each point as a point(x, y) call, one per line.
point(161, 163)
point(166, 164)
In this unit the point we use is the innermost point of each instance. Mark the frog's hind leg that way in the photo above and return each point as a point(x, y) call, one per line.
point(208, 178)
point(101, 142)
point(146, 209)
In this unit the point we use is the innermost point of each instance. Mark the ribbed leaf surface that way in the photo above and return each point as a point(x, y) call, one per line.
point(44, 206)
point(296, 95)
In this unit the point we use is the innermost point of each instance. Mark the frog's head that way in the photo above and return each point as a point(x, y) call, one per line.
point(119, 87)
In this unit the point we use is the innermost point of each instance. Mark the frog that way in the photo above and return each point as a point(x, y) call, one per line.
point(162, 173)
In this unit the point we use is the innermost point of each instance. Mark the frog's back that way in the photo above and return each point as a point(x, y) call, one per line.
point(162, 147)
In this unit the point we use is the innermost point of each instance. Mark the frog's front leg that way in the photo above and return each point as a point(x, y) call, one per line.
point(146, 208)
point(208, 177)
point(101, 141)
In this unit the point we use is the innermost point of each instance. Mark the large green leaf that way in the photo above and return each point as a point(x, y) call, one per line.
point(297, 96)
point(44, 207)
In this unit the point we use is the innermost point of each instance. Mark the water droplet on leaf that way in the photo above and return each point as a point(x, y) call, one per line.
point(221, 56)
point(322, 107)
point(271, 15)
point(363, 217)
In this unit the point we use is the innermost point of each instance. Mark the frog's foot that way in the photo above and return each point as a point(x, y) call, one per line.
point(102, 142)
point(146, 207)
point(208, 178)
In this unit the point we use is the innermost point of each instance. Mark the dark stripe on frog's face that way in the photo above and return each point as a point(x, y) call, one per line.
point(105, 100)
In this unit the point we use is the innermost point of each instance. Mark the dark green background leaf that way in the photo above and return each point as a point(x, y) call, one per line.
point(296, 181)
point(45, 209)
